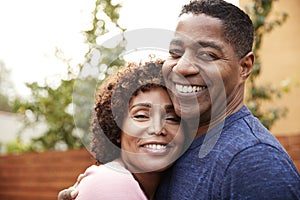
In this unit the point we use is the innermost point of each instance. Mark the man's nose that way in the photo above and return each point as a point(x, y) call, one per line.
point(184, 66)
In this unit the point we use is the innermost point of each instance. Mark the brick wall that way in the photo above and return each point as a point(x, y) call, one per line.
point(42, 175)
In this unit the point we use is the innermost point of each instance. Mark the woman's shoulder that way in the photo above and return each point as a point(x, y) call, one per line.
point(112, 168)
point(108, 181)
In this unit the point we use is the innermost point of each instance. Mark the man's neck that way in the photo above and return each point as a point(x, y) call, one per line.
point(235, 104)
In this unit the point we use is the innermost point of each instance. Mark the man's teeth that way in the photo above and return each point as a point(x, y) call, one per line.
point(155, 146)
point(188, 89)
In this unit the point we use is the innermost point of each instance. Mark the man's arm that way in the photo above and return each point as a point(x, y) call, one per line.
point(72, 192)
point(67, 194)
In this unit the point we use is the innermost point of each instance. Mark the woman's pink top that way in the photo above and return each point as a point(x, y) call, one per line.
point(109, 182)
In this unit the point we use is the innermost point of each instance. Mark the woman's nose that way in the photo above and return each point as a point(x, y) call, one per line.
point(157, 123)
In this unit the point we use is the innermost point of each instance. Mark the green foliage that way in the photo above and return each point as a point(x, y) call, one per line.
point(16, 147)
point(66, 109)
point(4, 103)
point(261, 14)
point(50, 106)
point(100, 60)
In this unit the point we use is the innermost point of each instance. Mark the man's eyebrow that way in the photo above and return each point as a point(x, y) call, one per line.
point(148, 105)
point(176, 42)
point(203, 44)
point(209, 44)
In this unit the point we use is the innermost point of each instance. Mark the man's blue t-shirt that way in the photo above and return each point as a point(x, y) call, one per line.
point(238, 159)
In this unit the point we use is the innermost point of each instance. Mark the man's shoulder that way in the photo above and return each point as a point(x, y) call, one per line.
point(244, 131)
point(247, 130)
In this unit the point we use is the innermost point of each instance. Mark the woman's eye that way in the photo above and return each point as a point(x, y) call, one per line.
point(173, 119)
point(206, 56)
point(140, 117)
point(175, 53)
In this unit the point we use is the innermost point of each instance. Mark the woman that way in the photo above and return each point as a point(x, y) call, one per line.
point(136, 134)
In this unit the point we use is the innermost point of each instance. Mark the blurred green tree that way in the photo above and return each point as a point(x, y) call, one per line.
point(257, 95)
point(56, 106)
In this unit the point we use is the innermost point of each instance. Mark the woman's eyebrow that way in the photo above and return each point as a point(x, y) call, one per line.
point(169, 108)
point(148, 105)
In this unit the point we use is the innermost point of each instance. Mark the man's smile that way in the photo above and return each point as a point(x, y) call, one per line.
point(189, 88)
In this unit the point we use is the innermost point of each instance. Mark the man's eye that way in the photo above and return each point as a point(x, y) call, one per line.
point(175, 53)
point(206, 56)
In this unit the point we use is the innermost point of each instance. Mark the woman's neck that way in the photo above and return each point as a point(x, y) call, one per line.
point(149, 182)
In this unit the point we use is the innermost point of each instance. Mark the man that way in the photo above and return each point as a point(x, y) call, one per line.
point(232, 156)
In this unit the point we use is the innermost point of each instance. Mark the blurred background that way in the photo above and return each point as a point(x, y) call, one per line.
point(54, 53)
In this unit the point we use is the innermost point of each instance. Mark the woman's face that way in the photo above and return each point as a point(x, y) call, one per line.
point(152, 137)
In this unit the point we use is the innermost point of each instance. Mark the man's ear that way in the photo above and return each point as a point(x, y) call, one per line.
point(246, 65)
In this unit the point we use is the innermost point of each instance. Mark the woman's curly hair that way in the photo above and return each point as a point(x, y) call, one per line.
point(112, 102)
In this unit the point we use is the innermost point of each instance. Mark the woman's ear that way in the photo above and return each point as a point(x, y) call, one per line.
point(246, 65)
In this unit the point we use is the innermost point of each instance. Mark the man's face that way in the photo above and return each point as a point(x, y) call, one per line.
point(201, 65)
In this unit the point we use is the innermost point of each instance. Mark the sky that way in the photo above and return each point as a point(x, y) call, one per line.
point(31, 31)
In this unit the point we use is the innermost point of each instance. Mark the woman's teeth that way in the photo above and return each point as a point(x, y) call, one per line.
point(155, 146)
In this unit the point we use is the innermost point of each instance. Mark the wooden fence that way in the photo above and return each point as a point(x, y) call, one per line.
point(292, 145)
point(42, 175)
